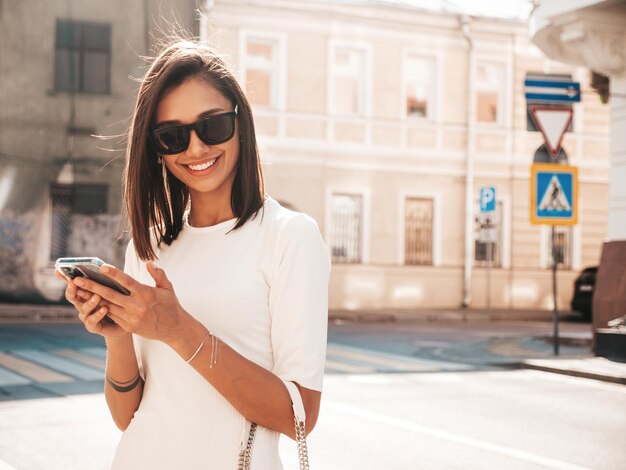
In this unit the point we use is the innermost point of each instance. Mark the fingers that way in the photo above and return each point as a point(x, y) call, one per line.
point(112, 296)
point(92, 322)
point(121, 277)
point(159, 276)
point(85, 309)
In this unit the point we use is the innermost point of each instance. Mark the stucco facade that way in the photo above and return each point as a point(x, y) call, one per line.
point(47, 135)
point(311, 152)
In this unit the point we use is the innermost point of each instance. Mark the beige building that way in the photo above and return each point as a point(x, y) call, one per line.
point(383, 123)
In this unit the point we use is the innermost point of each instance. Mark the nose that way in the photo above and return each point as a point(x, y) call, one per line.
point(196, 146)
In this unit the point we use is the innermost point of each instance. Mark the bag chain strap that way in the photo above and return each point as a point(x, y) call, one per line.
point(303, 453)
point(244, 455)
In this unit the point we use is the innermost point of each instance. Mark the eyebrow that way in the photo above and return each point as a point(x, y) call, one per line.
point(199, 116)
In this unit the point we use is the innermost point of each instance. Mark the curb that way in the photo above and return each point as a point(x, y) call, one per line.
point(575, 373)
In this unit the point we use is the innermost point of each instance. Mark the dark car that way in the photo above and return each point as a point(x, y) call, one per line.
point(584, 286)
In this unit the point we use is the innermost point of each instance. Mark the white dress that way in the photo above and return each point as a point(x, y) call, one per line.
point(263, 290)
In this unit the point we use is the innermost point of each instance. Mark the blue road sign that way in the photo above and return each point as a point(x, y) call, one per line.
point(544, 89)
point(554, 194)
point(487, 199)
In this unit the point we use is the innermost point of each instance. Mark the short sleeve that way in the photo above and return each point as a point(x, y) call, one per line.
point(298, 302)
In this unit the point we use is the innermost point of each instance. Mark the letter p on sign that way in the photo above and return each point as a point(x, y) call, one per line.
point(488, 199)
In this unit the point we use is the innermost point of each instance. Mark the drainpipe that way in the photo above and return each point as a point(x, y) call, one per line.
point(469, 168)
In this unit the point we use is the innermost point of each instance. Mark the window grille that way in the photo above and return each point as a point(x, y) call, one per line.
point(346, 226)
point(418, 231)
point(563, 236)
point(481, 247)
point(69, 200)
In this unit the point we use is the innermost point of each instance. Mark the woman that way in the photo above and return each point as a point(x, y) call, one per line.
point(230, 327)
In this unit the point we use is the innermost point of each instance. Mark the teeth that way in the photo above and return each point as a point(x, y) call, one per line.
point(204, 166)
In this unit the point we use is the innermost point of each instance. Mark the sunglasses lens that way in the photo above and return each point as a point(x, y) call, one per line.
point(216, 129)
point(170, 141)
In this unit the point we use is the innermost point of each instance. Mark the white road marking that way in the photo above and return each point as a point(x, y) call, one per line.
point(83, 358)
point(8, 378)
point(31, 370)
point(345, 367)
point(60, 364)
point(452, 437)
point(395, 361)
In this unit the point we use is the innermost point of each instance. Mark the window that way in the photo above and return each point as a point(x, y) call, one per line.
point(419, 89)
point(418, 231)
point(489, 92)
point(67, 201)
point(348, 81)
point(261, 71)
point(346, 223)
point(563, 237)
point(82, 57)
point(488, 237)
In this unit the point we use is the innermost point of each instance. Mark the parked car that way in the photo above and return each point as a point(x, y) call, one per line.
point(584, 287)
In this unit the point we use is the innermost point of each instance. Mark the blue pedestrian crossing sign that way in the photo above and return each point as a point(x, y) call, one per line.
point(487, 199)
point(554, 194)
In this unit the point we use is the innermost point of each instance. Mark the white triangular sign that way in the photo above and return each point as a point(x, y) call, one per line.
point(554, 198)
point(553, 123)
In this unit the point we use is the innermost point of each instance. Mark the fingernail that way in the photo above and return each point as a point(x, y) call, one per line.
point(105, 269)
point(78, 281)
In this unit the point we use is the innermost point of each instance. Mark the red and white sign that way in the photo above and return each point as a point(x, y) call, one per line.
point(553, 123)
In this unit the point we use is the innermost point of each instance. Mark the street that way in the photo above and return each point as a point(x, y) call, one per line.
point(404, 395)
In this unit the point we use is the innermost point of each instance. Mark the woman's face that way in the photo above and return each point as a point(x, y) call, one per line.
point(185, 104)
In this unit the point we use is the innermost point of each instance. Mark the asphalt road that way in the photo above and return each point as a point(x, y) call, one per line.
point(397, 396)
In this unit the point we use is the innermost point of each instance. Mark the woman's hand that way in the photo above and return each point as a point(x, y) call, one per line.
point(151, 312)
point(92, 310)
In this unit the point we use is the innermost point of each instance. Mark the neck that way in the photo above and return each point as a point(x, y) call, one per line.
point(208, 210)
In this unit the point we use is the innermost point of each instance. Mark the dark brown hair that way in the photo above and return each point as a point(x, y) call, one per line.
point(147, 198)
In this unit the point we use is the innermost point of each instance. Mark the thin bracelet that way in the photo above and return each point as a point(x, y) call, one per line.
point(213, 359)
point(199, 348)
point(124, 389)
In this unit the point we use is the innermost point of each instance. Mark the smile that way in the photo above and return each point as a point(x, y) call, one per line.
point(202, 166)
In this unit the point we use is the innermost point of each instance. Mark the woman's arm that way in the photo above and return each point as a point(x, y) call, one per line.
point(155, 313)
point(121, 359)
point(123, 387)
point(258, 394)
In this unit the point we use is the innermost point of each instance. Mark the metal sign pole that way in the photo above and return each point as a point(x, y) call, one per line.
point(489, 259)
point(555, 312)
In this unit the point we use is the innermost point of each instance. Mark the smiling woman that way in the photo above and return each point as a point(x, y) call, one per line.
point(223, 344)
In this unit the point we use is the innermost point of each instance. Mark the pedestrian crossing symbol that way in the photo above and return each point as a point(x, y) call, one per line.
point(554, 194)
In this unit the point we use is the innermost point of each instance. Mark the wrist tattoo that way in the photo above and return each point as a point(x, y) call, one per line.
point(124, 387)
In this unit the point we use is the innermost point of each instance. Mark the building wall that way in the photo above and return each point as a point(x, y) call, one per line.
point(308, 152)
point(36, 141)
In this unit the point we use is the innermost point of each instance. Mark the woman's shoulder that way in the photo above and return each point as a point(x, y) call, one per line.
point(288, 221)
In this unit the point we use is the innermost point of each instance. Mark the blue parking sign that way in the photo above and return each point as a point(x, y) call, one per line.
point(487, 199)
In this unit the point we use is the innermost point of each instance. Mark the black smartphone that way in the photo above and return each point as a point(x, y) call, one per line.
point(88, 267)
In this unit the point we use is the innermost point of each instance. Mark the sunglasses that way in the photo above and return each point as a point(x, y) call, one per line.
point(212, 130)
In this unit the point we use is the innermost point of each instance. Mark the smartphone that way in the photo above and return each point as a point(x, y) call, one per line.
point(88, 267)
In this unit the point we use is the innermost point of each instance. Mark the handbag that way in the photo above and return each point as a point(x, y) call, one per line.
point(299, 419)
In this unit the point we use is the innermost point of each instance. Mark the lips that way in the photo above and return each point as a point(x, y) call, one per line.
point(203, 167)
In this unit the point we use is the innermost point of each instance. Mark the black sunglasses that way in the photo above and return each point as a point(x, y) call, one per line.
point(211, 130)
